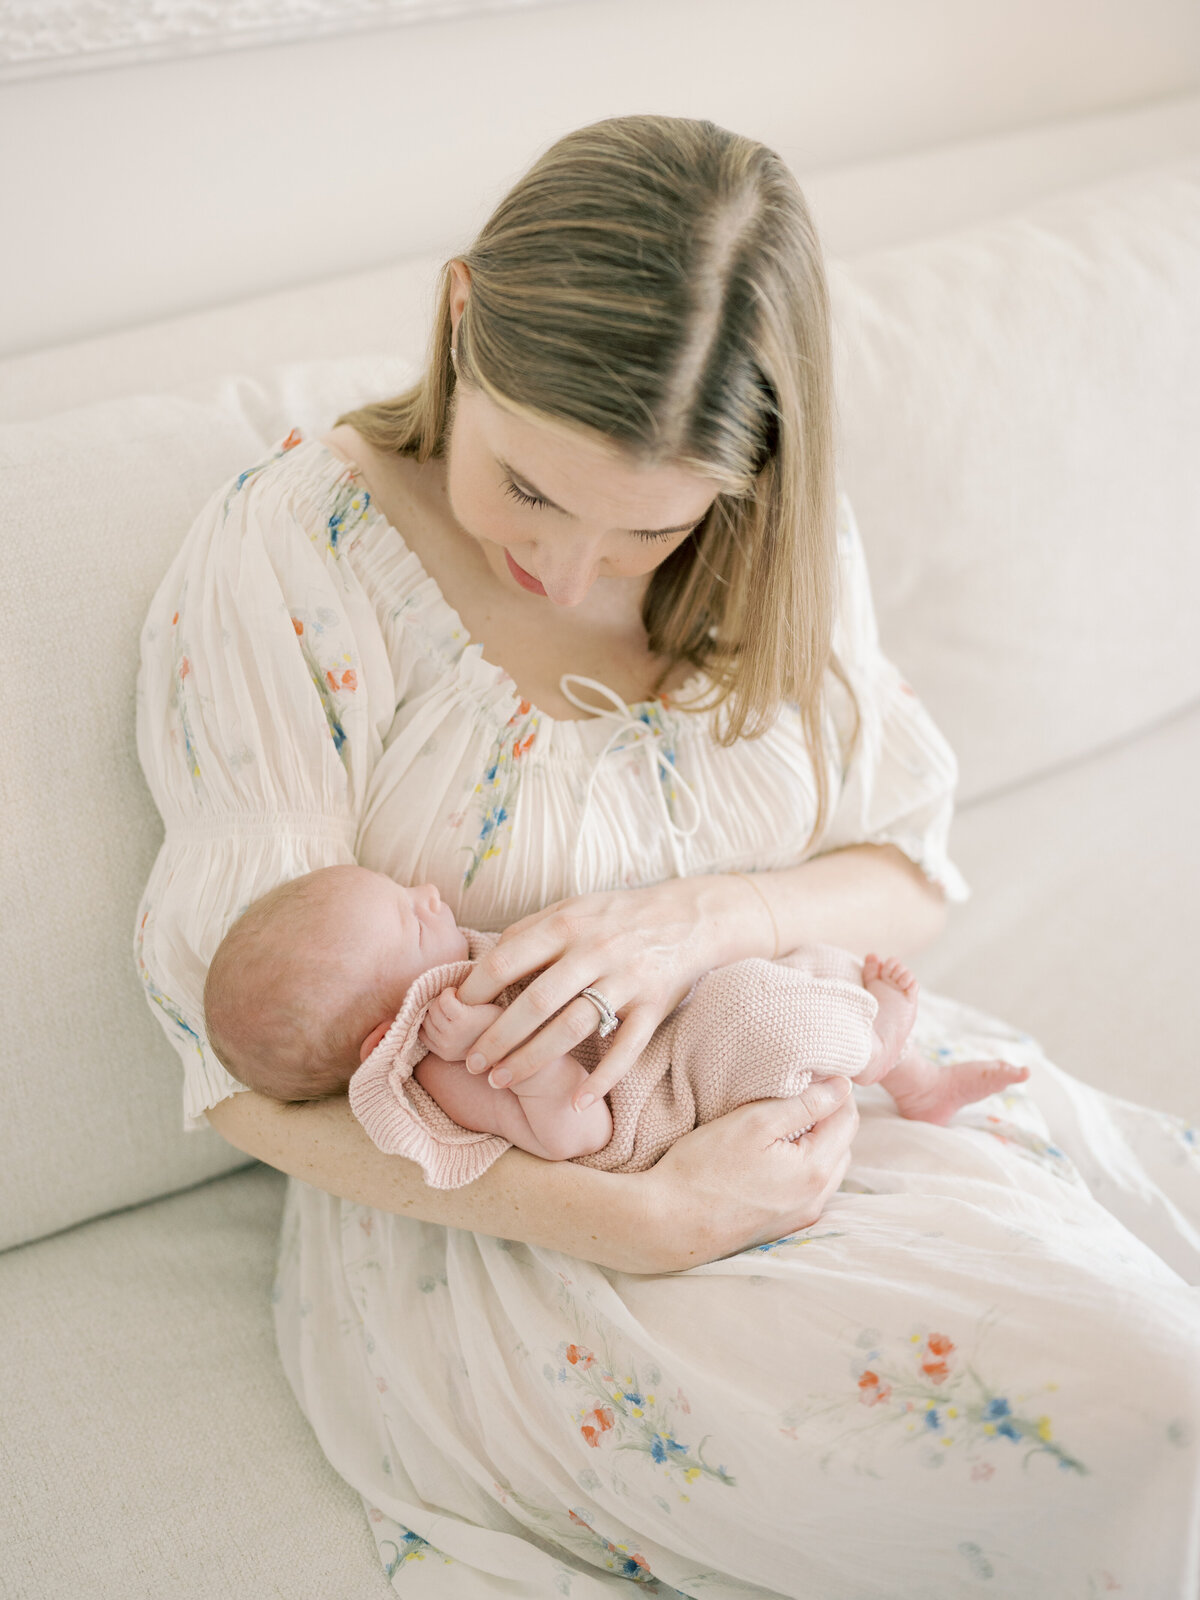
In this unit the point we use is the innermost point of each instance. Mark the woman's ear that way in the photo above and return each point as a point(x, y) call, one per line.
point(373, 1038)
point(460, 291)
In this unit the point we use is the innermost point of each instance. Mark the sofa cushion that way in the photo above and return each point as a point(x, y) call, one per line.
point(151, 1447)
point(96, 502)
point(1020, 415)
point(1082, 926)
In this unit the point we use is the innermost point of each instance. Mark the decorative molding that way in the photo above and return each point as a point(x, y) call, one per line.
point(40, 38)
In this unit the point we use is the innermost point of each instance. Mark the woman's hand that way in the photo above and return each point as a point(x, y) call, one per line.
point(642, 949)
point(739, 1181)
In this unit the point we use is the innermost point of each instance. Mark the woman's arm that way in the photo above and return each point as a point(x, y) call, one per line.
point(644, 948)
point(731, 1184)
point(865, 897)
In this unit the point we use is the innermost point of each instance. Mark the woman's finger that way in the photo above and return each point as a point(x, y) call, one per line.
point(805, 1111)
point(527, 1021)
point(829, 1138)
point(630, 1040)
point(569, 1028)
point(514, 958)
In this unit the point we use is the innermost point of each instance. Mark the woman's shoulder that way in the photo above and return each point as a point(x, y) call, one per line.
point(348, 443)
point(299, 492)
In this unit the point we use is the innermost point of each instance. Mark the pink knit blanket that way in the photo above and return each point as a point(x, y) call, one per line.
point(754, 1030)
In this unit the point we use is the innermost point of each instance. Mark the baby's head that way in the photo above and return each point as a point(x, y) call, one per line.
point(307, 981)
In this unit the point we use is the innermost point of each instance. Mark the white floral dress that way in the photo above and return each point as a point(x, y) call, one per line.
point(978, 1373)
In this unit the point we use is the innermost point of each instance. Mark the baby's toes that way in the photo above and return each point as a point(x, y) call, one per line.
point(870, 968)
point(903, 978)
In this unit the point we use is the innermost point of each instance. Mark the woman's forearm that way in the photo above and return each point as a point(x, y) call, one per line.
point(615, 1220)
point(865, 897)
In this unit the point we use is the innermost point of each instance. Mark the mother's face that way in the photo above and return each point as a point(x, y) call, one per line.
point(555, 512)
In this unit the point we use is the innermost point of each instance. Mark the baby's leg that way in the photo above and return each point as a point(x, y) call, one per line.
point(540, 1119)
point(925, 1091)
point(562, 1131)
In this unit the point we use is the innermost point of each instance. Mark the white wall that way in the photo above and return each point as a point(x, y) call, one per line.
point(139, 192)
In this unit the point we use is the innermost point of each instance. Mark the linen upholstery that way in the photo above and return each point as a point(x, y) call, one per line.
point(99, 500)
point(1031, 593)
point(1082, 921)
point(150, 1334)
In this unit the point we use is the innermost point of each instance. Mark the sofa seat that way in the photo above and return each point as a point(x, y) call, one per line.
point(151, 1447)
point(1077, 931)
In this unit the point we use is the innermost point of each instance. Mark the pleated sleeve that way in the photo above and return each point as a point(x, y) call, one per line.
point(897, 785)
point(264, 692)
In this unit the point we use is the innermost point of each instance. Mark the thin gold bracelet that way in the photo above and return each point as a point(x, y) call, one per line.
point(766, 903)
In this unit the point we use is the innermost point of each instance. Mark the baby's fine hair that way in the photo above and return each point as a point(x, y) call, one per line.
point(282, 1010)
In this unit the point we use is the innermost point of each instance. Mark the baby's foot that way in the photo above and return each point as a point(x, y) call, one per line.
point(929, 1091)
point(450, 1028)
point(895, 990)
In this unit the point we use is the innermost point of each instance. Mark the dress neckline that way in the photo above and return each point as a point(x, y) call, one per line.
point(655, 703)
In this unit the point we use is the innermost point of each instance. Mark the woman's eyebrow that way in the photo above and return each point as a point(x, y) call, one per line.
point(523, 482)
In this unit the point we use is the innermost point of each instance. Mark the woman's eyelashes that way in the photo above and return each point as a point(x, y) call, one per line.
point(524, 499)
point(519, 494)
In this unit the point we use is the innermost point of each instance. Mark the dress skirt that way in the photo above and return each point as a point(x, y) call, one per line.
point(978, 1374)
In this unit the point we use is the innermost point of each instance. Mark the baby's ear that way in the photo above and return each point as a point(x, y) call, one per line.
point(373, 1038)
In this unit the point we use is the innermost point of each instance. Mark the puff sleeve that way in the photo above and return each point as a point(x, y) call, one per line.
point(897, 786)
point(264, 692)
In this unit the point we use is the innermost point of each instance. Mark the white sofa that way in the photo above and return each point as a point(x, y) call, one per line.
point(1020, 405)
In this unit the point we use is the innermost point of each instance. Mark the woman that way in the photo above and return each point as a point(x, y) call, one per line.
point(578, 629)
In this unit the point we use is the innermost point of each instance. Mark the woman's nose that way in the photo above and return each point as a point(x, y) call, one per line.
point(569, 577)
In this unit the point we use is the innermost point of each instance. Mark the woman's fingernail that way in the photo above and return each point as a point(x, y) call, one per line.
point(584, 1101)
point(476, 1062)
point(501, 1078)
point(841, 1088)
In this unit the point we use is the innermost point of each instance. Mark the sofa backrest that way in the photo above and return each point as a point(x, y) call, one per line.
point(1018, 402)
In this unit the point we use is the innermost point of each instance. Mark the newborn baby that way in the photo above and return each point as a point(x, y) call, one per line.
point(344, 979)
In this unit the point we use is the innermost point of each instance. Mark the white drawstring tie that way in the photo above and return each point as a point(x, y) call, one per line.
point(626, 722)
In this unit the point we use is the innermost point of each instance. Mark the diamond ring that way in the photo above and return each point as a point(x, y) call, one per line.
point(609, 1020)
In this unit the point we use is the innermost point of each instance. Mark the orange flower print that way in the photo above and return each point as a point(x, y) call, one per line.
point(579, 1357)
point(871, 1391)
point(934, 1364)
point(293, 439)
point(348, 679)
point(595, 1422)
point(175, 619)
point(299, 627)
point(185, 666)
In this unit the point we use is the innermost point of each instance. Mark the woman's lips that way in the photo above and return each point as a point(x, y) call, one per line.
point(525, 579)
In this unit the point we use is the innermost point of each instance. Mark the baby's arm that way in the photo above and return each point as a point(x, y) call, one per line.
point(539, 1117)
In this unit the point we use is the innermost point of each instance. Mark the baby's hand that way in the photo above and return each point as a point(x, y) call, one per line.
point(451, 1028)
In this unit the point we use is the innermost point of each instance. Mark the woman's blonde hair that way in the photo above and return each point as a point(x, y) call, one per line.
point(659, 281)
